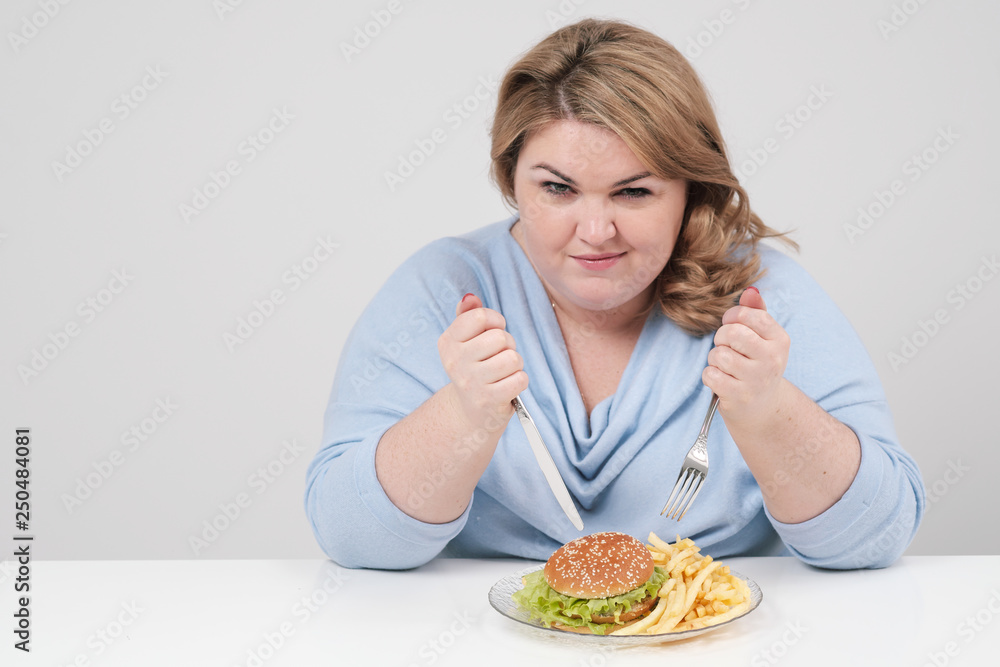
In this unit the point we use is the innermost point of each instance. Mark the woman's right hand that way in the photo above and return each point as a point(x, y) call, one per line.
point(482, 361)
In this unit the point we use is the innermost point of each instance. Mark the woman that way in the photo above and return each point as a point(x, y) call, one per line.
point(614, 290)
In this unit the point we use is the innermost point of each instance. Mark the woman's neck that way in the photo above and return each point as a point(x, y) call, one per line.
point(623, 319)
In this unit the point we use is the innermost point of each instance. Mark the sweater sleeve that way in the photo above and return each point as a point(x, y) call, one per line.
point(388, 367)
point(876, 518)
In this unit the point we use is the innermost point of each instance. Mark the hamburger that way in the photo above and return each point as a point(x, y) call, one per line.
point(596, 583)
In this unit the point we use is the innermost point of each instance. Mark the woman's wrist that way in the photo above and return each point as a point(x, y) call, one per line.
point(802, 457)
point(766, 414)
point(471, 420)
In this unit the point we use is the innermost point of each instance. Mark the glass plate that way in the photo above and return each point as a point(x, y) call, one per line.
point(501, 600)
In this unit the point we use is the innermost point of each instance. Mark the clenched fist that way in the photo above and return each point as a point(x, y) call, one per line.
point(481, 359)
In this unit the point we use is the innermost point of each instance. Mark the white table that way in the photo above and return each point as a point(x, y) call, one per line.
point(921, 611)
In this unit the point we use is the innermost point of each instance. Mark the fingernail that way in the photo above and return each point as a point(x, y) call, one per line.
point(467, 296)
point(752, 288)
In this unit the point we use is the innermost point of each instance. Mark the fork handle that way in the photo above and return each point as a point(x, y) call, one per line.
point(708, 417)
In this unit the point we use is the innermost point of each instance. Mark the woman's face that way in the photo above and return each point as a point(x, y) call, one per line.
point(596, 225)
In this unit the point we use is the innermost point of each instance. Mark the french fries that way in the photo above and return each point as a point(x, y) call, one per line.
point(699, 593)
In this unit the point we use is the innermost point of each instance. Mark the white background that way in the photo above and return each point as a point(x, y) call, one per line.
point(890, 90)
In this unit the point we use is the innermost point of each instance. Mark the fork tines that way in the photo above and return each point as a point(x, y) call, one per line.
point(686, 490)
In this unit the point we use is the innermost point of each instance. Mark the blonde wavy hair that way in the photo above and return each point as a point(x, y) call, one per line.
point(633, 83)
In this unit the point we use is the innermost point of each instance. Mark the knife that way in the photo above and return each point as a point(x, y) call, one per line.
point(547, 465)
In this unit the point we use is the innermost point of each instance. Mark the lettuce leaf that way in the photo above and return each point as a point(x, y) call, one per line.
point(549, 606)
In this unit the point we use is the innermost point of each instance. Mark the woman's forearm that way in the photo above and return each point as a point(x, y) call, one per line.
point(430, 461)
point(802, 457)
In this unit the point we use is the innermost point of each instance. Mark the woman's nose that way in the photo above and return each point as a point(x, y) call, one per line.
point(596, 223)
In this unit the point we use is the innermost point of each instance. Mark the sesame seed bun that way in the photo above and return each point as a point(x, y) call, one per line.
point(599, 566)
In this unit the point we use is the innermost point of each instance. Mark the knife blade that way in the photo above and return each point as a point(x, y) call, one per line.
point(548, 466)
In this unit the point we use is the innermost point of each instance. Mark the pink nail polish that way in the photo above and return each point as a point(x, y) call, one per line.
point(467, 296)
point(753, 288)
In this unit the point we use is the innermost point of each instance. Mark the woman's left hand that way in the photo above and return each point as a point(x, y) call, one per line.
point(747, 364)
point(771, 420)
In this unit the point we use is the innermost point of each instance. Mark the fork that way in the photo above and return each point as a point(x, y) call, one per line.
point(694, 470)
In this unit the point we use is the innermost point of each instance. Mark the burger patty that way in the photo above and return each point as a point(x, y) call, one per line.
point(640, 608)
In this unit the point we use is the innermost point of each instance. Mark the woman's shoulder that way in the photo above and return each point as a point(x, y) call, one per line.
point(777, 262)
point(444, 269)
point(790, 291)
point(476, 249)
point(780, 268)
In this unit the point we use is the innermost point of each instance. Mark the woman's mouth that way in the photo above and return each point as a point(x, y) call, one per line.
point(598, 262)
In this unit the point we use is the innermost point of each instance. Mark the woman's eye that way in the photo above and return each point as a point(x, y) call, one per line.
point(634, 193)
point(556, 188)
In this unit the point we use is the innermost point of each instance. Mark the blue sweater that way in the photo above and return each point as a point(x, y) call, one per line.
point(619, 462)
